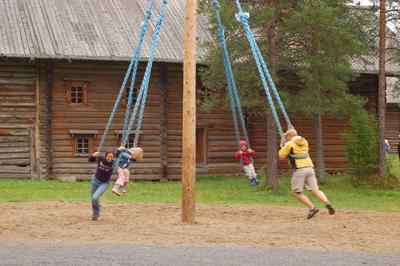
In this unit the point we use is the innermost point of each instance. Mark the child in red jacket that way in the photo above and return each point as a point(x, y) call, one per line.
point(244, 155)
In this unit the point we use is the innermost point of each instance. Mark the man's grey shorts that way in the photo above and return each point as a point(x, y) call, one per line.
point(304, 176)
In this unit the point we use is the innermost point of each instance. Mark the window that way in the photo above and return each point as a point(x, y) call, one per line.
point(77, 92)
point(82, 145)
point(134, 94)
point(130, 141)
point(82, 141)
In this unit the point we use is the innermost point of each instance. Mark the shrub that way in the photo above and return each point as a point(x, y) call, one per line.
point(362, 144)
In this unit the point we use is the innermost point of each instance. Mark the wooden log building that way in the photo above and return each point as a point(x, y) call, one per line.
point(62, 64)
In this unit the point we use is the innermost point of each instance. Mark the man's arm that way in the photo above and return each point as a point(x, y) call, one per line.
point(284, 151)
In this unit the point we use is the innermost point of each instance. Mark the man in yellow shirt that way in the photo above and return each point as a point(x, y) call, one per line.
point(295, 148)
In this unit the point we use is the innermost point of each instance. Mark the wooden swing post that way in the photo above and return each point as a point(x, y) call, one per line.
point(189, 114)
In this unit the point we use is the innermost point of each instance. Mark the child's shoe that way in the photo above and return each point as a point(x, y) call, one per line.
point(256, 180)
point(252, 182)
point(123, 189)
point(115, 190)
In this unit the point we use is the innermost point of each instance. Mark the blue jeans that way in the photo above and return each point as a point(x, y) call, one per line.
point(98, 188)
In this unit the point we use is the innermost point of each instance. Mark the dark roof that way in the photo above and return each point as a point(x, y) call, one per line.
point(105, 30)
point(88, 29)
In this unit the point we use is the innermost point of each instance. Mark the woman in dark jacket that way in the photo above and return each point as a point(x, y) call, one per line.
point(101, 179)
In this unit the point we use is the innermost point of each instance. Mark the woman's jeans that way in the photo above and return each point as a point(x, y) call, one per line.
point(98, 188)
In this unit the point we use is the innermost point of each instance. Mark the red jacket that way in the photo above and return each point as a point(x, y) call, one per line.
point(245, 155)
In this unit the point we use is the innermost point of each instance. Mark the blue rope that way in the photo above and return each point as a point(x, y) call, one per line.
point(233, 94)
point(145, 83)
point(141, 98)
point(274, 89)
point(262, 69)
point(134, 60)
point(143, 29)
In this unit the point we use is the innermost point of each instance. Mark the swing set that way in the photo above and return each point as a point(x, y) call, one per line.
point(265, 76)
point(131, 73)
point(189, 80)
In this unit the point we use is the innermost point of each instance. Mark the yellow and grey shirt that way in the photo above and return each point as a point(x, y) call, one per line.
point(297, 146)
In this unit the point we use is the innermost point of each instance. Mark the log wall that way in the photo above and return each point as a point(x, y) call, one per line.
point(392, 129)
point(104, 81)
point(17, 114)
point(57, 118)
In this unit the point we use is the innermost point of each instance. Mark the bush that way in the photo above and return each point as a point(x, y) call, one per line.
point(362, 144)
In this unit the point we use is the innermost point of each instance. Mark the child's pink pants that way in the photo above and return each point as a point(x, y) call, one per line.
point(123, 176)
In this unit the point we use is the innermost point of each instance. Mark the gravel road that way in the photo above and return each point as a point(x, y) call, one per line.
point(42, 253)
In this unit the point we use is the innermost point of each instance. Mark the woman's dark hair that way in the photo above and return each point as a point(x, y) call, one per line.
point(108, 152)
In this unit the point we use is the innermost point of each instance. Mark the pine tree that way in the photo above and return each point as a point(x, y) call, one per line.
point(321, 37)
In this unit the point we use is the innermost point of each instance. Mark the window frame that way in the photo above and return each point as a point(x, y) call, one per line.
point(85, 91)
point(125, 96)
point(75, 139)
point(130, 139)
point(82, 133)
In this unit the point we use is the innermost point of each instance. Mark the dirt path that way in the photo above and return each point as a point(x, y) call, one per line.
point(348, 230)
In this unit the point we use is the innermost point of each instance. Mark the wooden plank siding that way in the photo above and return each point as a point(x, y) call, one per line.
point(17, 113)
point(104, 81)
point(392, 129)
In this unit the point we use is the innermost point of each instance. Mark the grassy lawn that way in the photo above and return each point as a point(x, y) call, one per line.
point(394, 165)
point(209, 190)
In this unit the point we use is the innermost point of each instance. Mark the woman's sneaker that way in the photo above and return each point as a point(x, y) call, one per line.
point(330, 208)
point(312, 212)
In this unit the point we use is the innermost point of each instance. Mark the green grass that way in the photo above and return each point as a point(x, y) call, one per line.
point(209, 190)
point(394, 165)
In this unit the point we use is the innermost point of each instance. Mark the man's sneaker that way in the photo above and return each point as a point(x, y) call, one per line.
point(115, 190)
point(330, 208)
point(312, 212)
point(95, 217)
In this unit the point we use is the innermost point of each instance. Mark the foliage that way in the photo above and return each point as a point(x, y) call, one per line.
point(321, 38)
point(362, 144)
point(247, 79)
point(315, 42)
point(393, 164)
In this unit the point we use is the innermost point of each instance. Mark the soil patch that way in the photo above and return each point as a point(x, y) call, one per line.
point(152, 223)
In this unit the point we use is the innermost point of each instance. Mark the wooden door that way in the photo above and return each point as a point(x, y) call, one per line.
point(201, 146)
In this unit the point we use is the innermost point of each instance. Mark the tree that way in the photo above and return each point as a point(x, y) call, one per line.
point(321, 37)
point(382, 87)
